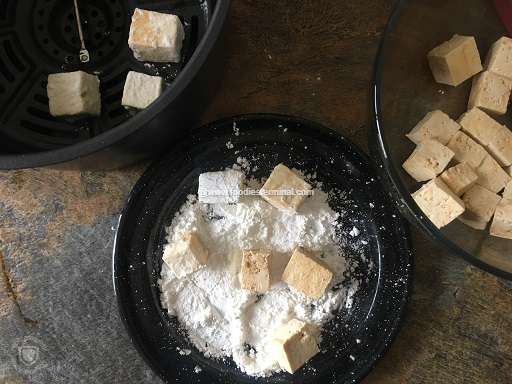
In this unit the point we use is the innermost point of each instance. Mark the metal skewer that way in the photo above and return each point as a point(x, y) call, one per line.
point(84, 53)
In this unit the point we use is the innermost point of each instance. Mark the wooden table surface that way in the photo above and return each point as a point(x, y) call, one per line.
point(58, 317)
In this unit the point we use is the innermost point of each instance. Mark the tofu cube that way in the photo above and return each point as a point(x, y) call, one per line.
point(480, 206)
point(140, 90)
point(507, 192)
point(438, 202)
point(436, 125)
point(185, 256)
point(455, 61)
point(499, 57)
point(459, 178)
point(500, 146)
point(156, 37)
point(428, 160)
point(74, 94)
point(307, 274)
point(502, 223)
point(293, 344)
point(467, 150)
point(491, 176)
point(220, 187)
point(490, 92)
point(284, 189)
point(255, 270)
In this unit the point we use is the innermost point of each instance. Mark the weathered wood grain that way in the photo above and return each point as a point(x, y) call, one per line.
point(308, 58)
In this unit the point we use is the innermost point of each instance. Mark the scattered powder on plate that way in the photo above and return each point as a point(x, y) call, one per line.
point(221, 319)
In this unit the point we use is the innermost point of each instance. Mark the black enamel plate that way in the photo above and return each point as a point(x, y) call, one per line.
point(380, 255)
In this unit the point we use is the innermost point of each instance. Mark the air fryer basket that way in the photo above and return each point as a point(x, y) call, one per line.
point(38, 37)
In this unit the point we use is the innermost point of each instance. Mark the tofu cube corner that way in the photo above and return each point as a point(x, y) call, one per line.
point(480, 206)
point(74, 94)
point(307, 274)
point(502, 223)
point(255, 270)
point(156, 37)
point(490, 92)
point(141, 90)
point(428, 160)
point(186, 256)
point(459, 178)
point(455, 60)
point(436, 125)
point(294, 343)
point(499, 57)
point(284, 189)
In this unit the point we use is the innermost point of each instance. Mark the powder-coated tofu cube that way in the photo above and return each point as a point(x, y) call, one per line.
point(467, 150)
point(499, 57)
point(459, 178)
point(428, 160)
point(438, 202)
point(74, 94)
point(480, 204)
point(255, 270)
point(490, 92)
point(502, 223)
point(491, 176)
point(140, 90)
point(186, 256)
point(284, 189)
point(507, 192)
point(156, 37)
point(436, 125)
point(307, 274)
point(294, 343)
point(220, 187)
point(455, 61)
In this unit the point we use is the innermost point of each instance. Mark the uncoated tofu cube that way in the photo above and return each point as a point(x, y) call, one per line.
point(502, 223)
point(496, 138)
point(507, 192)
point(294, 343)
point(255, 270)
point(491, 175)
point(499, 57)
point(156, 37)
point(459, 178)
point(74, 94)
point(428, 160)
point(185, 256)
point(438, 202)
point(140, 90)
point(466, 150)
point(490, 92)
point(436, 125)
point(455, 61)
point(220, 187)
point(480, 206)
point(284, 189)
point(307, 274)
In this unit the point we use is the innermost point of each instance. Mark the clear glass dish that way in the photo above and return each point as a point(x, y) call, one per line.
point(404, 91)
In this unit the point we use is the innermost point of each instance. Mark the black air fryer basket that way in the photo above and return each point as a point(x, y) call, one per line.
point(38, 37)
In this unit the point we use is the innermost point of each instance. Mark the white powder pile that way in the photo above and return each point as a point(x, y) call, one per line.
point(220, 318)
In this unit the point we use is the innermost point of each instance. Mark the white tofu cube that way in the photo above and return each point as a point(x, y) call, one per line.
point(436, 125)
point(455, 61)
point(255, 270)
point(284, 189)
point(74, 94)
point(220, 187)
point(307, 274)
point(507, 192)
point(459, 178)
point(140, 90)
point(438, 202)
point(185, 256)
point(480, 205)
point(467, 150)
point(501, 146)
point(427, 160)
point(502, 223)
point(499, 57)
point(156, 37)
point(490, 92)
point(491, 176)
point(294, 343)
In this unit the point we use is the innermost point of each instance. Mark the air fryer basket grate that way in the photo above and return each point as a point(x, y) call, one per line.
point(38, 37)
